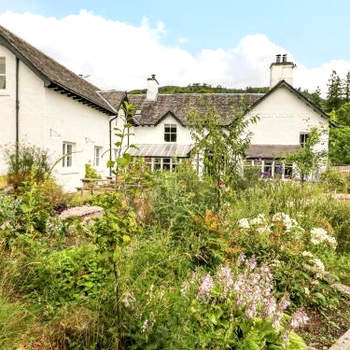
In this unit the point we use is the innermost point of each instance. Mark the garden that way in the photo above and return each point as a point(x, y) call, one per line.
point(163, 266)
point(218, 260)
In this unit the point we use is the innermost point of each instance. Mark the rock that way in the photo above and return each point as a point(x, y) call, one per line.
point(342, 288)
point(85, 212)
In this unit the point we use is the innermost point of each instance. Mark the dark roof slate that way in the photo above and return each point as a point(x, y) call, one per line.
point(179, 105)
point(52, 72)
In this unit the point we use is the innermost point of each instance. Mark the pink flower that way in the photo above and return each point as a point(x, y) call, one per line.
point(205, 287)
point(299, 318)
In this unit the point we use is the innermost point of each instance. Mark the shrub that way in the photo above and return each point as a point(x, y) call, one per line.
point(91, 173)
point(31, 163)
point(335, 180)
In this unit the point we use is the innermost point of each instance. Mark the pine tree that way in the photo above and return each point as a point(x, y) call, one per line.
point(347, 87)
point(335, 92)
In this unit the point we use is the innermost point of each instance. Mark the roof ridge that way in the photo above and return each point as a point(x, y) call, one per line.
point(44, 54)
point(51, 68)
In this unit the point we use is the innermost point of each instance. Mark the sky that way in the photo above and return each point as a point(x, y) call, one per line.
point(118, 44)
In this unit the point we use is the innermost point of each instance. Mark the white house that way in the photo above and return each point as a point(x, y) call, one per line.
point(44, 104)
point(161, 134)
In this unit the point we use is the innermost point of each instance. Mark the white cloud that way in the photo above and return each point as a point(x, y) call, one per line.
point(121, 56)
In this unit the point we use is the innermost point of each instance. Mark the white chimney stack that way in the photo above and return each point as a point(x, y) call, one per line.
point(152, 88)
point(281, 70)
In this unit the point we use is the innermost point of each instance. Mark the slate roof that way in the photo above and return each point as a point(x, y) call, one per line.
point(152, 112)
point(270, 151)
point(54, 74)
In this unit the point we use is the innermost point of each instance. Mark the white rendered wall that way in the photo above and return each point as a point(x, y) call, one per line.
point(46, 119)
point(283, 117)
point(155, 134)
point(7, 106)
point(85, 127)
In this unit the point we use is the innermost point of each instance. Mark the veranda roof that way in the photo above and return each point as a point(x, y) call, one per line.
point(162, 150)
point(270, 151)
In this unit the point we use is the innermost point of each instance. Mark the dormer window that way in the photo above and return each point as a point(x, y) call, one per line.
point(170, 132)
point(2, 73)
point(303, 138)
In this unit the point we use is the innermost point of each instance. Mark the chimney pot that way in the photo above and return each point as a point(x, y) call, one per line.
point(284, 58)
point(278, 58)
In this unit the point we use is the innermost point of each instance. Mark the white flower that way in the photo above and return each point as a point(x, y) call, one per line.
point(258, 220)
point(319, 265)
point(320, 235)
point(307, 254)
point(285, 220)
point(243, 223)
point(263, 229)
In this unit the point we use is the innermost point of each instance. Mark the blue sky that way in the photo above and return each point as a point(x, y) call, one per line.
point(230, 43)
point(314, 30)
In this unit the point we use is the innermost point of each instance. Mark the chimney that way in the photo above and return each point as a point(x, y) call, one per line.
point(281, 70)
point(152, 88)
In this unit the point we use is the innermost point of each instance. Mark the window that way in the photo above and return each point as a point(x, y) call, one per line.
point(166, 163)
point(67, 151)
point(303, 138)
point(2, 73)
point(156, 163)
point(97, 155)
point(170, 132)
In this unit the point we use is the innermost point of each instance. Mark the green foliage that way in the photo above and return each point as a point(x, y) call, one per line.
point(91, 173)
point(203, 88)
point(339, 148)
point(118, 281)
point(335, 93)
point(221, 148)
point(29, 163)
point(308, 158)
point(335, 181)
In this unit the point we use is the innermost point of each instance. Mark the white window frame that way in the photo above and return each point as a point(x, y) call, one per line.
point(3, 74)
point(67, 148)
point(303, 136)
point(171, 133)
point(97, 155)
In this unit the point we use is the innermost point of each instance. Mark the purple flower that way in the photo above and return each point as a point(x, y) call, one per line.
point(299, 318)
point(205, 287)
point(252, 263)
point(270, 306)
point(224, 277)
point(145, 326)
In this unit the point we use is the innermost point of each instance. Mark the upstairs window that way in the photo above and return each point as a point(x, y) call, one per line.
point(2, 73)
point(170, 132)
point(67, 153)
point(303, 138)
point(97, 155)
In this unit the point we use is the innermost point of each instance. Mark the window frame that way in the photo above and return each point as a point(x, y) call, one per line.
point(171, 133)
point(303, 136)
point(67, 160)
point(4, 74)
point(97, 155)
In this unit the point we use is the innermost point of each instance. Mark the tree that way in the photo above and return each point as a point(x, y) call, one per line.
point(308, 159)
point(123, 157)
point(335, 93)
point(222, 148)
point(339, 147)
point(347, 87)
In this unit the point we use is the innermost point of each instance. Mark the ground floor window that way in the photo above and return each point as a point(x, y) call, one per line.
point(271, 168)
point(161, 163)
point(67, 154)
point(97, 155)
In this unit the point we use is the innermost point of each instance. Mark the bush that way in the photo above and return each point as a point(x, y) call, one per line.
point(335, 181)
point(32, 163)
point(91, 173)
